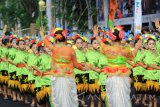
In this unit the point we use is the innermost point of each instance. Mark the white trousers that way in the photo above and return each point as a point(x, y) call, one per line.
point(118, 91)
point(64, 92)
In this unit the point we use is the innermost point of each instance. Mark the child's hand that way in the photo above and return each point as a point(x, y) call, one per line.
point(41, 32)
point(95, 30)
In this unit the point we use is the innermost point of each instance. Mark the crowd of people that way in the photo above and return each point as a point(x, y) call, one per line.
point(98, 72)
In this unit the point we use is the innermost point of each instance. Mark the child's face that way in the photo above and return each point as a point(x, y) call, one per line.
point(95, 44)
point(21, 45)
point(131, 44)
point(79, 43)
point(34, 48)
point(151, 44)
point(123, 42)
point(84, 45)
point(14, 43)
point(27, 42)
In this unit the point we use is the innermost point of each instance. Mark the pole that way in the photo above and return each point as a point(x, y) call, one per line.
point(41, 19)
point(49, 14)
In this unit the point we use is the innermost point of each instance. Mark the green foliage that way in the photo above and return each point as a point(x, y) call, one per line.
point(18, 9)
point(44, 22)
point(23, 10)
point(71, 16)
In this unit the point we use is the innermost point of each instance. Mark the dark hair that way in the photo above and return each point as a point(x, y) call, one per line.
point(93, 40)
point(40, 48)
point(5, 41)
point(150, 39)
point(12, 40)
point(77, 39)
point(32, 45)
point(63, 38)
point(145, 29)
point(19, 41)
point(116, 33)
point(7, 33)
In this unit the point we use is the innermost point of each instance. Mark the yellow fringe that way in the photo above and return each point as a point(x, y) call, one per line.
point(4, 79)
point(85, 87)
point(138, 86)
point(0, 78)
point(47, 91)
point(94, 87)
point(79, 87)
point(19, 85)
point(156, 86)
point(13, 83)
point(43, 92)
point(31, 87)
point(144, 87)
point(149, 84)
point(82, 87)
point(40, 95)
point(103, 94)
point(24, 87)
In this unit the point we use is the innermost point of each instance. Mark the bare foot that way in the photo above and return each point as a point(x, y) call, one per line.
point(14, 99)
point(32, 105)
point(27, 102)
point(5, 97)
point(137, 101)
point(150, 104)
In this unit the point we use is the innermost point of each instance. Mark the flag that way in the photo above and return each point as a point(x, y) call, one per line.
point(112, 12)
point(138, 17)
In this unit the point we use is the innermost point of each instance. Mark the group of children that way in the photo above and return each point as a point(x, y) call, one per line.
point(24, 62)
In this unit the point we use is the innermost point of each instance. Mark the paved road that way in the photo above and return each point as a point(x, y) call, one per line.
point(10, 103)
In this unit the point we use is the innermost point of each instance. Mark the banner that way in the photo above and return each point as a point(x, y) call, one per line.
point(138, 17)
point(112, 12)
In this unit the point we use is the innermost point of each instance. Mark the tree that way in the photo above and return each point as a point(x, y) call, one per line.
point(70, 12)
point(31, 9)
point(24, 10)
point(77, 12)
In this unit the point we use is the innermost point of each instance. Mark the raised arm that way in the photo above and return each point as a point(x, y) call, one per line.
point(47, 43)
point(157, 24)
point(137, 47)
point(95, 32)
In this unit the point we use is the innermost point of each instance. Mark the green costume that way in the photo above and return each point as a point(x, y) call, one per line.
point(4, 54)
point(4, 66)
point(82, 77)
point(152, 75)
point(43, 84)
point(12, 83)
point(20, 59)
point(31, 60)
point(11, 56)
point(138, 72)
point(44, 62)
point(98, 60)
point(158, 47)
point(21, 71)
point(151, 58)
